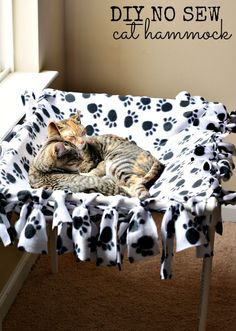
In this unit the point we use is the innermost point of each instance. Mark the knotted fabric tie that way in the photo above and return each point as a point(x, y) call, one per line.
point(107, 240)
point(188, 228)
point(142, 236)
point(63, 222)
point(33, 237)
point(84, 233)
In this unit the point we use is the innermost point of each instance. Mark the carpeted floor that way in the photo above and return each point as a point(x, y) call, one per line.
point(84, 297)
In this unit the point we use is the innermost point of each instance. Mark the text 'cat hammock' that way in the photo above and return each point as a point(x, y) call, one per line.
point(185, 134)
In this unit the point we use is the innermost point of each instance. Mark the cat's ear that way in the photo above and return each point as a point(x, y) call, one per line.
point(59, 149)
point(76, 117)
point(53, 130)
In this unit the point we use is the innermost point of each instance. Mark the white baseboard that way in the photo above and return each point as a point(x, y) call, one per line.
point(14, 283)
point(229, 213)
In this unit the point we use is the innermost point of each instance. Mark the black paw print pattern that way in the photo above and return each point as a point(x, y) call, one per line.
point(185, 139)
point(87, 95)
point(68, 97)
point(48, 95)
point(164, 106)
point(26, 97)
point(32, 228)
point(186, 195)
point(39, 118)
point(17, 171)
point(8, 177)
point(167, 155)
point(127, 100)
point(105, 239)
point(168, 123)
point(73, 111)
point(45, 111)
point(130, 119)
point(92, 243)
point(130, 138)
point(195, 170)
point(192, 231)
point(189, 101)
point(159, 143)
point(170, 228)
point(33, 130)
point(61, 248)
point(111, 119)
point(176, 168)
point(92, 129)
point(144, 246)
point(95, 109)
point(192, 117)
point(81, 224)
point(30, 148)
point(149, 127)
point(58, 113)
point(144, 103)
point(179, 185)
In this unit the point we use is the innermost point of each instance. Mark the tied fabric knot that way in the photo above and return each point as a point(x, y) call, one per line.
point(63, 222)
point(109, 243)
point(142, 236)
point(196, 205)
point(189, 229)
point(33, 237)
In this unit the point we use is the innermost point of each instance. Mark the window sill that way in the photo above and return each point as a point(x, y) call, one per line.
point(11, 89)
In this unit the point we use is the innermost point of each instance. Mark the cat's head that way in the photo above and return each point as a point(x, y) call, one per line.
point(58, 154)
point(72, 130)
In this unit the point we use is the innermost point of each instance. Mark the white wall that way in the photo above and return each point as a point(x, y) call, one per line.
point(39, 37)
point(95, 62)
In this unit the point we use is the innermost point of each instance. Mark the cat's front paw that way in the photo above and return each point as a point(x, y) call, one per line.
point(144, 195)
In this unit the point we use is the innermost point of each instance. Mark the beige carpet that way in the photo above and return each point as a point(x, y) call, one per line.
point(84, 297)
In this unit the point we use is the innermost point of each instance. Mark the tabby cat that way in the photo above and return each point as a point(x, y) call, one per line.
point(56, 167)
point(133, 168)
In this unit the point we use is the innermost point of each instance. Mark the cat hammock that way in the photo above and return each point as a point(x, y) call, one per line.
point(186, 134)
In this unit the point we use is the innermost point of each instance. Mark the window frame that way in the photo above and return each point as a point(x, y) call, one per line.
point(6, 38)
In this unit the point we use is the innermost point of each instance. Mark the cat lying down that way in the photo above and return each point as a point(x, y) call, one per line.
point(56, 167)
point(108, 164)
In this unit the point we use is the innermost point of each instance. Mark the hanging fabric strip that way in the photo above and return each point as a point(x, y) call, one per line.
point(167, 235)
point(63, 222)
point(142, 236)
point(33, 237)
point(5, 230)
point(24, 213)
point(81, 232)
point(107, 239)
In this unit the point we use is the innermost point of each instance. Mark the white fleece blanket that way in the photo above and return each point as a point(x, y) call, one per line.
point(185, 133)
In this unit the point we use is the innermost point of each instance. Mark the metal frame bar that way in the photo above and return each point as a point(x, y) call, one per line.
point(207, 272)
